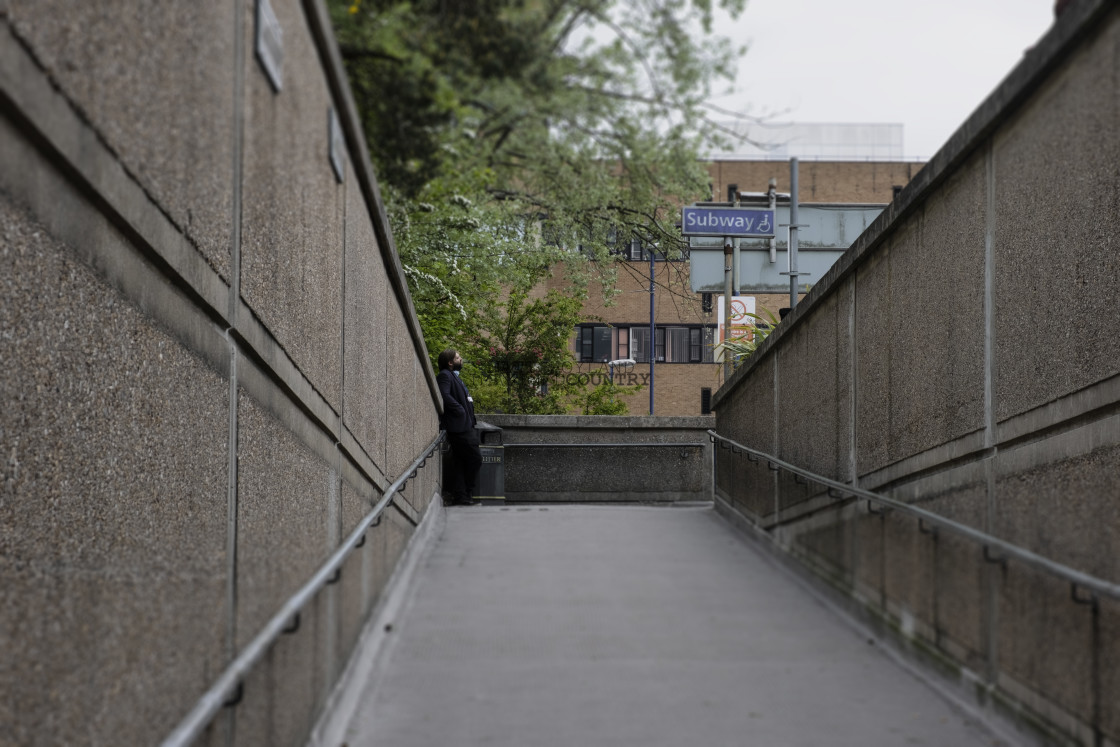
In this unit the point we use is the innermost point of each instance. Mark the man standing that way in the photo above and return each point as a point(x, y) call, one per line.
point(459, 422)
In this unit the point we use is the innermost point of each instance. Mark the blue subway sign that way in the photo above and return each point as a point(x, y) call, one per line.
point(727, 221)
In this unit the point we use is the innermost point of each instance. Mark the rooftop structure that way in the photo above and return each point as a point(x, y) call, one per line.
point(824, 140)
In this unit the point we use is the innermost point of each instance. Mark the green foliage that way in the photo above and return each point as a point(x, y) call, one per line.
point(606, 399)
point(522, 346)
point(741, 347)
point(511, 137)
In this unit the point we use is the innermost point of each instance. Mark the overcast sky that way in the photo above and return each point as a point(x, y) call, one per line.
point(926, 64)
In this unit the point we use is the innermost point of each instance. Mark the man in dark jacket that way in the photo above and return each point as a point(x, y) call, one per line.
point(459, 422)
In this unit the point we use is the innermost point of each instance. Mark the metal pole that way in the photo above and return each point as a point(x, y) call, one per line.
point(727, 249)
point(652, 332)
point(772, 192)
point(792, 234)
point(735, 283)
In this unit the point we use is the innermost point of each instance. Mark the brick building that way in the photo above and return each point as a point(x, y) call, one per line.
point(684, 371)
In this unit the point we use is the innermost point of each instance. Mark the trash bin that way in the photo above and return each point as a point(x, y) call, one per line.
point(492, 474)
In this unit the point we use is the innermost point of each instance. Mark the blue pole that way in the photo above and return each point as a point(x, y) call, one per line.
point(652, 333)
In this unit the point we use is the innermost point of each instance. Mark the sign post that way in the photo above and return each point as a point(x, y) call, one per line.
point(726, 305)
point(731, 223)
point(793, 226)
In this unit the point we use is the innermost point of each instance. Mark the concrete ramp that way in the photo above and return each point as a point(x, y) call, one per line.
point(555, 626)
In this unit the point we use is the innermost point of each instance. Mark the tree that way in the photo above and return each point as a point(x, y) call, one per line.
point(512, 137)
point(522, 346)
point(605, 399)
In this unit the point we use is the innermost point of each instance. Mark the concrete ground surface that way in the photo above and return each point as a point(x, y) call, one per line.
point(596, 626)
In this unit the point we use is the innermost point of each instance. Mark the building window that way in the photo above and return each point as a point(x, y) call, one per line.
point(679, 346)
point(706, 401)
point(671, 344)
point(639, 344)
point(637, 252)
point(593, 343)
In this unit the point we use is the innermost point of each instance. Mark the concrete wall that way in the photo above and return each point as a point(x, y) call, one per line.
point(557, 458)
point(963, 356)
point(212, 369)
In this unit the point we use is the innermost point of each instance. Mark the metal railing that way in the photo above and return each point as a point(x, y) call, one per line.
point(227, 688)
point(1096, 587)
point(632, 444)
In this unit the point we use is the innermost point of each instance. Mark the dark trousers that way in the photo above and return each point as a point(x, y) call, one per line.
point(468, 460)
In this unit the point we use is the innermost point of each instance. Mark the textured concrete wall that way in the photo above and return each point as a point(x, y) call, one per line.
point(212, 370)
point(556, 458)
point(963, 357)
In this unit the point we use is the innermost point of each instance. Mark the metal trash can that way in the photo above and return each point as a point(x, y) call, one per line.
point(492, 474)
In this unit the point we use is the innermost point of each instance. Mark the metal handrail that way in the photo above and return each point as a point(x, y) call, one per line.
point(228, 685)
point(694, 444)
point(836, 489)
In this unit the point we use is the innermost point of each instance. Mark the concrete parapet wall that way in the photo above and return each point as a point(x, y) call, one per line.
point(212, 369)
point(962, 356)
point(605, 459)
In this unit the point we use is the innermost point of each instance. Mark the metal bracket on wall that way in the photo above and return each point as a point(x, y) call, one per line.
point(1076, 597)
point(235, 699)
point(1002, 559)
point(270, 44)
point(293, 626)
